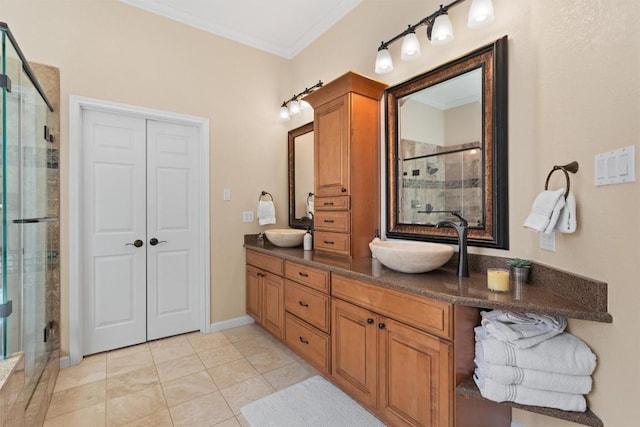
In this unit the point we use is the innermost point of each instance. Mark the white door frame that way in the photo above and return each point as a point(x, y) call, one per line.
point(76, 105)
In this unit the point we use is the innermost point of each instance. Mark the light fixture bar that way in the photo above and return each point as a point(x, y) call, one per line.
point(294, 105)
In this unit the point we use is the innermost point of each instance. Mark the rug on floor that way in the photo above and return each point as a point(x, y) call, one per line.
point(314, 402)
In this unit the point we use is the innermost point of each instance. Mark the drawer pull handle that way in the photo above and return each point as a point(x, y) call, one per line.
point(381, 325)
point(303, 341)
point(328, 242)
point(328, 203)
point(370, 321)
point(300, 273)
point(303, 304)
point(329, 220)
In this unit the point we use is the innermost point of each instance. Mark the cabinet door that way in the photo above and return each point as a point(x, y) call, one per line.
point(331, 153)
point(354, 350)
point(416, 386)
point(254, 299)
point(273, 304)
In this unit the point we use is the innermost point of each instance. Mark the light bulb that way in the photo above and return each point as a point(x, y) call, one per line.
point(284, 113)
point(305, 106)
point(410, 47)
point(294, 107)
point(384, 64)
point(480, 14)
point(442, 32)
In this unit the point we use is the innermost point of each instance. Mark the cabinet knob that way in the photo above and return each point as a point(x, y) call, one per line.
point(303, 304)
point(370, 321)
point(381, 326)
point(303, 341)
point(344, 190)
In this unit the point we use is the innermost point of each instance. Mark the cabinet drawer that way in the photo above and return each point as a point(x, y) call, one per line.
point(265, 262)
point(313, 345)
point(332, 242)
point(423, 313)
point(338, 203)
point(312, 277)
point(337, 221)
point(309, 305)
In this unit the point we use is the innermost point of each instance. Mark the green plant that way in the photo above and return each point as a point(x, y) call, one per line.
point(519, 262)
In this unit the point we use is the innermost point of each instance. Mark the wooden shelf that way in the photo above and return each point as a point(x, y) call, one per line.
point(468, 388)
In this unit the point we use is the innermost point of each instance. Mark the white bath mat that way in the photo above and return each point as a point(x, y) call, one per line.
point(312, 403)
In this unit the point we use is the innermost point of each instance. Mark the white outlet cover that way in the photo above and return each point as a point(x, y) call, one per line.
point(247, 216)
point(548, 241)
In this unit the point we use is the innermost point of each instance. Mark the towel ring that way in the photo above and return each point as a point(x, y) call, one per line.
point(265, 193)
point(309, 197)
point(569, 167)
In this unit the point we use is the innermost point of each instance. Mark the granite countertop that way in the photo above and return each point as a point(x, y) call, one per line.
point(551, 292)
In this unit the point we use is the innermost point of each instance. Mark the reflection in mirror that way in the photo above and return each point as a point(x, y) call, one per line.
point(447, 136)
point(301, 176)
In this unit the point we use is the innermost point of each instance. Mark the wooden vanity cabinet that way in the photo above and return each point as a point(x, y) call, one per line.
point(265, 291)
point(346, 164)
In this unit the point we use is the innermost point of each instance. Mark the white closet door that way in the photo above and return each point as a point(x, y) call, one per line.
point(114, 197)
point(172, 205)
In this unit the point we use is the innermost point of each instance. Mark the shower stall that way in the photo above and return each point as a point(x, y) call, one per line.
point(29, 233)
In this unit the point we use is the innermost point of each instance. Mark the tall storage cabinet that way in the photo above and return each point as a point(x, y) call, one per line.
point(347, 164)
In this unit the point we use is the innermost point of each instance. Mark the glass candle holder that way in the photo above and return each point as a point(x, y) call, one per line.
point(498, 279)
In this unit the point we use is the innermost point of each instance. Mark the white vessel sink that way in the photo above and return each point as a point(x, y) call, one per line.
point(410, 257)
point(285, 237)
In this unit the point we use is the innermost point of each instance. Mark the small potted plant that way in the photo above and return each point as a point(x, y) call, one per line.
point(520, 269)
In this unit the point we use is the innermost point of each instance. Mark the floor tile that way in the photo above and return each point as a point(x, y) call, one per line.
point(172, 348)
point(133, 406)
point(160, 419)
point(220, 356)
point(232, 373)
point(131, 382)
point(244, 332)
point(243, 421)
point(92, 368)
point(93, 416)
point(207, 342)
point(204, 411)
point(76, 398)
point(269, 360)
point(128, 362)
point(246, 392)
point(255, 345)
point(188, 387)
point(177, 368)
point(128, 350)
point(287, 375)
point(231, 422)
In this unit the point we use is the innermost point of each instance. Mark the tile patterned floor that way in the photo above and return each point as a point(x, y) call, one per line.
point(189, 380)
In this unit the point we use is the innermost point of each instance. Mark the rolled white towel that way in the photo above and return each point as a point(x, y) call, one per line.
point(533, 378)
point(563, 354)
point(567, 221)
point(266, 212)
point(545, 211)
point(527, 396)
point(521, 330)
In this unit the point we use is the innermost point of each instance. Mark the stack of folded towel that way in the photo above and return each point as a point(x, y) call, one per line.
point(552, 212)
point(528, 359)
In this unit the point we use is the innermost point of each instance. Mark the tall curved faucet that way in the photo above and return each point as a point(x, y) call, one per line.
point(461, 230)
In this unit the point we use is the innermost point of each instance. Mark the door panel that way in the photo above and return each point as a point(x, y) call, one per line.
point(114, 214)
point(172, 204)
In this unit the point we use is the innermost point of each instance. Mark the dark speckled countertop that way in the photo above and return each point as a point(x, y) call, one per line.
point(551, 291)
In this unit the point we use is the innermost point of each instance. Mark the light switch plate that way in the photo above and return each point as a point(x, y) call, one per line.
point(616, 166)
point(247, 216)
point(226, 194)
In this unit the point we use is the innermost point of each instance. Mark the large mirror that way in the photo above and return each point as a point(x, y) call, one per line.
point(447, 150)
point(301, 176)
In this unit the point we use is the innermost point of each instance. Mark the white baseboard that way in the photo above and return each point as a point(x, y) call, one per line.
point(231, 323)
point(65, 362)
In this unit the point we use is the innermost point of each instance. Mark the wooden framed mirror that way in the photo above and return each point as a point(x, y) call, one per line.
point(300, 175)
point(447, 150)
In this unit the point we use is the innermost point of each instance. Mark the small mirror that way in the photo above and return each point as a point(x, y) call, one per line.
point(301, 176)
point(447, 150)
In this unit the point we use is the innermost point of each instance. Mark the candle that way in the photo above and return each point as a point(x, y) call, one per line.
point(498, 279)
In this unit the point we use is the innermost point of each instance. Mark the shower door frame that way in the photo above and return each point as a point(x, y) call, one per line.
point(76, 105)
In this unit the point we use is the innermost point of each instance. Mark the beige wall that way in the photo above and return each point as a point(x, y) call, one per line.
point(573, 92)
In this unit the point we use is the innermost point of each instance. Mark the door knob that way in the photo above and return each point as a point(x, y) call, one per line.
point(137, 243)
point(155, 241)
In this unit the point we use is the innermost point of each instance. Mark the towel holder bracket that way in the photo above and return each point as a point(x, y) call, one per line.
point(569, 167)
point(265, 193)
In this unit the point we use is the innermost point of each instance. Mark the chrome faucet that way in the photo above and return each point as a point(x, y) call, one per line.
point(461, 230)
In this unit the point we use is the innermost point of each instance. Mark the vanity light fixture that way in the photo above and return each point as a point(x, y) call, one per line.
point(439, 32)
point(294, 105)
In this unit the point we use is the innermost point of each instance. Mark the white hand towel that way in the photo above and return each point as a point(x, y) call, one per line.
point(521, 330)
point(563, 354)
point(527, 396)
point(310, 209)
point(545, 211)
point(266, 212)
point(567, 221)
point(532, 378)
